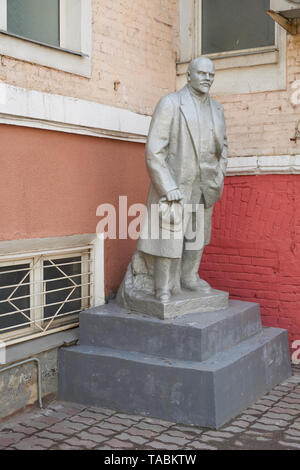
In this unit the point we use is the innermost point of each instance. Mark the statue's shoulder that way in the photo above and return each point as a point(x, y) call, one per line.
point(170, 99)
point(216, 104)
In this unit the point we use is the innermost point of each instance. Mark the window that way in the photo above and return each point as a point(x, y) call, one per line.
point(236, 25)
point(236, 35)
point(44, 292)
point(34, 19)
point(54, 33)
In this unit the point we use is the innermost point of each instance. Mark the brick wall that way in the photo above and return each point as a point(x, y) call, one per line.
point(133, 59)
point(255, 247)
point(263, 123)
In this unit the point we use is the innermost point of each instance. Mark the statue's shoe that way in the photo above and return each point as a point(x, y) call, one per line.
point(195, 285)
point(163, 295)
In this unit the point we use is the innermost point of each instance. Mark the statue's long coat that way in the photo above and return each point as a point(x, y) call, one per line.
point(173, 160)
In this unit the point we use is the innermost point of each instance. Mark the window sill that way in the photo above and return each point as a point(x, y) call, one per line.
point(28, 50)
point(232, 59)
point(51, 46)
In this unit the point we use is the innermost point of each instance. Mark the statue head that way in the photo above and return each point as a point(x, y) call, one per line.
point(201, 74)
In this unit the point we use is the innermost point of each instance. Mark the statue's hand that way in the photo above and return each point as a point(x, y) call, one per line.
point(174, 195)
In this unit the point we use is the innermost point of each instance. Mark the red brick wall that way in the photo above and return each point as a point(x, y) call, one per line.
point(255, 249)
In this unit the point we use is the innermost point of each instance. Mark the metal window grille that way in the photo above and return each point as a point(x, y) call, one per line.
point(45, 292)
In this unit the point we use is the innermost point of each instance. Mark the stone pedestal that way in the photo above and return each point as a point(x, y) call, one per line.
point(199, 369)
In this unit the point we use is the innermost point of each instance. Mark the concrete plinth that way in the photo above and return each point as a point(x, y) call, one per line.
point(180, 304)
point(198, 369)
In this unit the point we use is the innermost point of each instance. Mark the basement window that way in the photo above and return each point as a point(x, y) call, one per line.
point(45, 292)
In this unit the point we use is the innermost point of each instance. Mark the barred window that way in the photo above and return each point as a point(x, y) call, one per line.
point(44, 293)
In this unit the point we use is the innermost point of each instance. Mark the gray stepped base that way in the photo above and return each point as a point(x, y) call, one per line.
point(200, 369)
point(192, 337)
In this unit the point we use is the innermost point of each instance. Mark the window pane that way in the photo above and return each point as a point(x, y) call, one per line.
point(8, 287)
point(66, 285)
point(236, 24)
point(34, 19)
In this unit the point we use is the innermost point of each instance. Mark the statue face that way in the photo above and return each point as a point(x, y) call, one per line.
point(201, 75)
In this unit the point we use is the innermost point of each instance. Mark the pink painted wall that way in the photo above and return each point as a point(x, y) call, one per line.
point(52, 182)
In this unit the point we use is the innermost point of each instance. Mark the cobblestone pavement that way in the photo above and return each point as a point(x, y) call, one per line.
point(272, 423)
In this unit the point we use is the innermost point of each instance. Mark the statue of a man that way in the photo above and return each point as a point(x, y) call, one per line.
point(186, 157)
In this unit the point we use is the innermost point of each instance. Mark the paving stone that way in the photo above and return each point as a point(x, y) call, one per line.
point(74, 425)
point(98, 429)
point(51, 435)
point(242, 424)
point(289, 411)
point(161, 422)
point(293, 401)
point(78, 442)
point(201, 446)
point(275, 422)
point(49, 420)
point(135, 439)
point(124, 421)
point(285, 417)
point(278, 393)
point(265, 402)
point(293, 432)
point(260, 407)
point(248, 418)
point(61, 429)
point(184, 435)
point(282, 388)
point(172, 440)
point(292, 406)
point(218, 434)
point(272, 397)
point(295, 425)
point(33, 442)
point(116, 444)
point(65, 446)
point(191, 429)
point(238, 443)
point(145, 433)
point(234, 429)
point(253, 412)
point(105, 411)
point(6, 441)
point(295, 395)
point(83, 420)
point(161, 445)
point(113, 427)
point(38, 424)
point(98, 438)
point(150, 427)
point(204, 438)
point(94, 415)
point(17, 428)
point(265, 427)
point(127, 416)
point(289, 445)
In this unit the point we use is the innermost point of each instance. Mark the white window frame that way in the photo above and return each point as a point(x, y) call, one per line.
point(22, 252)
point(259, 69)
point(74, 53)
